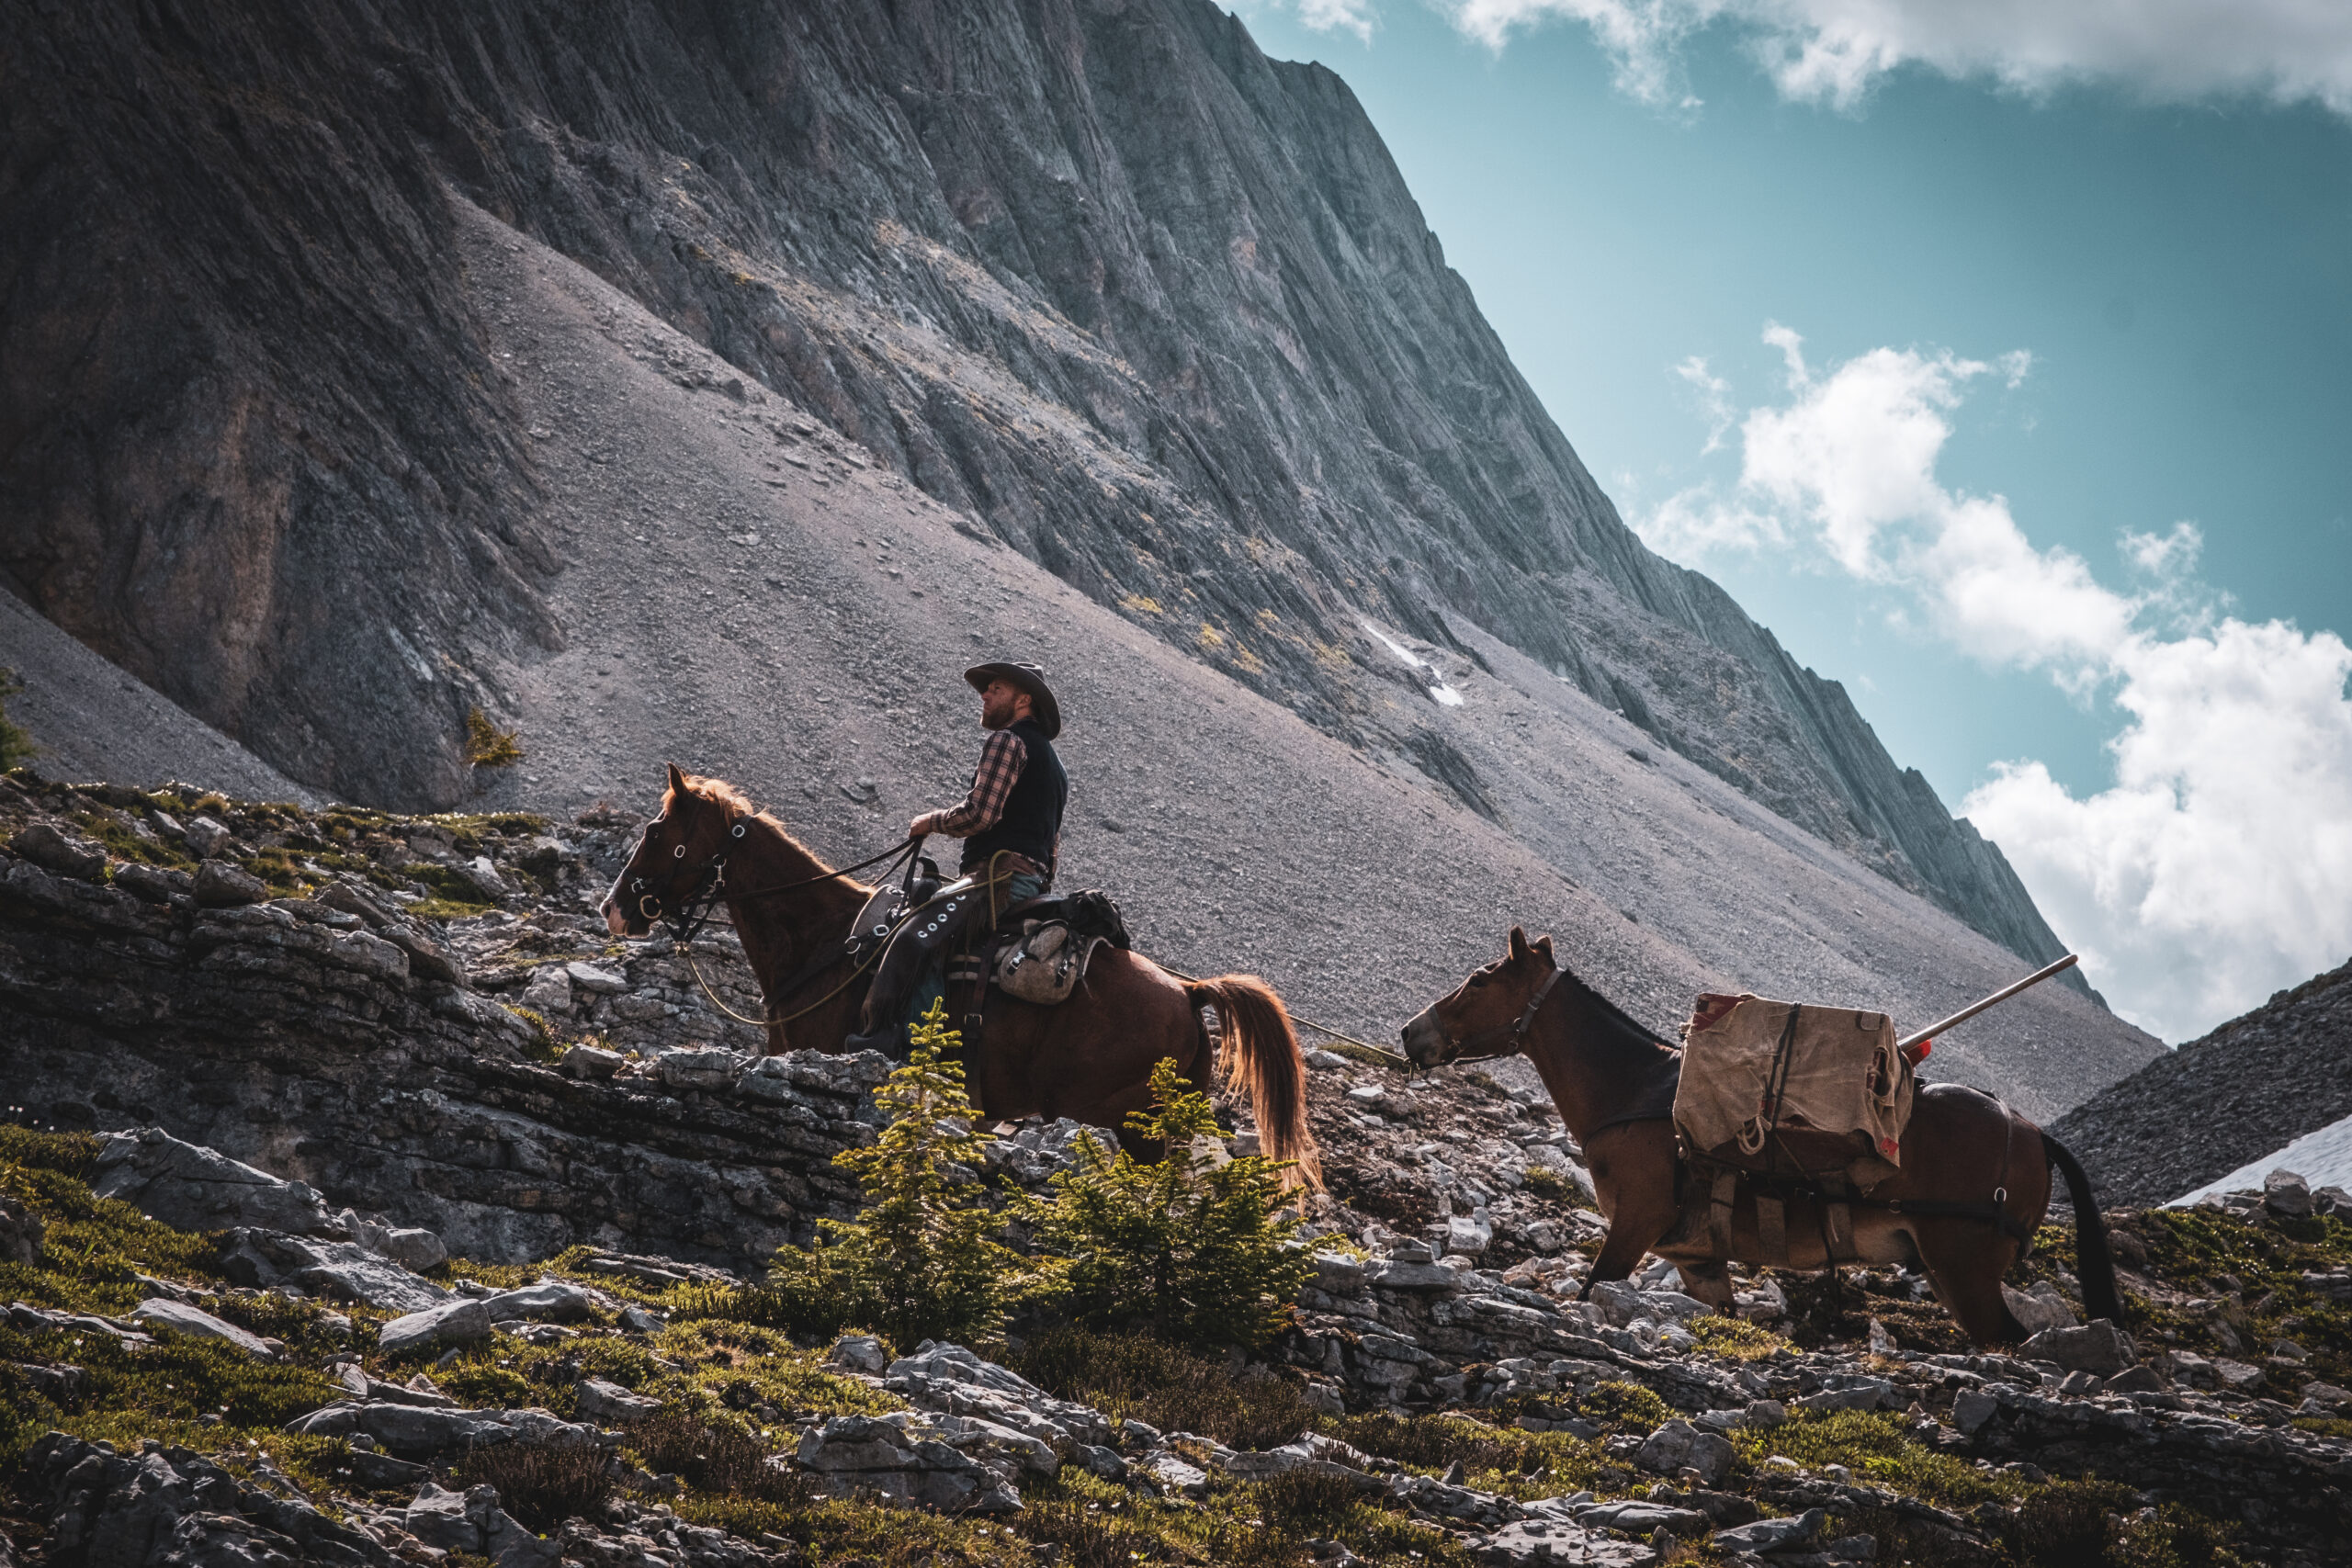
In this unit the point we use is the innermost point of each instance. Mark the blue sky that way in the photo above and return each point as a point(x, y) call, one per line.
point(2036, 300)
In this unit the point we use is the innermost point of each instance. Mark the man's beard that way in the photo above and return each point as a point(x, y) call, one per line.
point(998, 715)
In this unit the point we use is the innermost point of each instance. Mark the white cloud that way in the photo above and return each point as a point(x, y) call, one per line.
point(2219, 865)
point(1356, 17)
point(1833, 52)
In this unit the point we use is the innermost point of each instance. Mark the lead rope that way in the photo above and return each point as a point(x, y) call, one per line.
point(1388, 1056)
point(695, 969)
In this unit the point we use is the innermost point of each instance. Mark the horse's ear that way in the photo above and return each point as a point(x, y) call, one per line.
point(1543, 946)
point(678, 779)
point(1518, 941)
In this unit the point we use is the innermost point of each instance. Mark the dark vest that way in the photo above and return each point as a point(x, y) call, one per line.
point(1032, 823)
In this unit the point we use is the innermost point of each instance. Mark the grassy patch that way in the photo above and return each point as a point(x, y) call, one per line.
point(1878, 1452)
point(1134, 1377)
point(1735, 1337)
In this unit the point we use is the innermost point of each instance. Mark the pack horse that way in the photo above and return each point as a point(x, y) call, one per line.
point(1974, 1182)
point(1089, 1058)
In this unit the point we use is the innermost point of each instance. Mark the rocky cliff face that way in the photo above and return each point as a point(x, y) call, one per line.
point(2199, 1112)
point(1155, 310)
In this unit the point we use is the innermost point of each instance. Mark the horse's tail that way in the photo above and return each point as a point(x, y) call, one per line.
point(2094, 1263)
point(1261, 1056)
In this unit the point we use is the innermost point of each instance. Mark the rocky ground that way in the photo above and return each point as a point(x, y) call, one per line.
point(309, 1066)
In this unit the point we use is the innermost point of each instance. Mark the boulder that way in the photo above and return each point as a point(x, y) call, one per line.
point(154, 883)
point(598, 982)
point(345, 1271)
point(2285, 1192)
point(592, 1062)
point(221, 886)
point(68, 854)
point(452, 1323)
point(472, 1522)
point(2236, 1376)
point(2098, 1347)
point(1641, 1516)
point(1852, 1393)
point(1176, 1473)
point(2040, 1308)
point(1543, 1543)
point(601, 1400)
point(852, 1454)
point(421, 1432)
point(1469, 1237)
point(196, 1189)
point(858, 1353)
point(552, 1300)
point(175, 1317)
point(1773, 1535)
point(549, 992)
point(1680, 1446)
point(1971, 1408)
point(20, 1233)
point(1396, 1275)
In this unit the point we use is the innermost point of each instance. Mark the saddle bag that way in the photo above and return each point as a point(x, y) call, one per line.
point(1045, 962)
point(1791, 1088)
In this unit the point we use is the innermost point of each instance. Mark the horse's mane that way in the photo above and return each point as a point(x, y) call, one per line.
point(719, 793)
point(1623, 1022)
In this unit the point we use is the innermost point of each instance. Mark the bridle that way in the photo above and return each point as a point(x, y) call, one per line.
point(709, 890)
point(1511, 1037)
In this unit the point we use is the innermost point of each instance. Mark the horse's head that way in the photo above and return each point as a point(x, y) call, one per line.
point(1488, 1012)
point(700, 820)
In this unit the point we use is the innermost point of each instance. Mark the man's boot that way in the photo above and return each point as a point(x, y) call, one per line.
point(922, 941)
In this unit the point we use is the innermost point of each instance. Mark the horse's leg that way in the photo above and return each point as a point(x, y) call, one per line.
point(1964, 1261)
point(1709, 1280)
point(1632, 1179)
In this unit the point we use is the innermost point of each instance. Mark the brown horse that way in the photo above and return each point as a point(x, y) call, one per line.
point(1975, 1176)
point(1090, 1058)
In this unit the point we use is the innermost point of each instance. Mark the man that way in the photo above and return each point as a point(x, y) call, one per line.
point(1010, 823)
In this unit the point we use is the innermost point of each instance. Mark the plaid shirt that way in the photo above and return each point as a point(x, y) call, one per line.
point(1001, 759)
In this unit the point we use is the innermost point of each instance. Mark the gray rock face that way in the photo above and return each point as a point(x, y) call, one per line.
point(1223, 372)
point(319, 1051)
point(2255, 1083)
point(200, 1189)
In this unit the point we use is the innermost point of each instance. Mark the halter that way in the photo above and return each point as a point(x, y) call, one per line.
point(1516, 1033)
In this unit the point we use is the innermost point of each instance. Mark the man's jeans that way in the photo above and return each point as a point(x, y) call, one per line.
point(923, 948)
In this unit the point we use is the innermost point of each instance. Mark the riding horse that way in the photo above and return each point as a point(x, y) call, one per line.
point(1089, 1058)
point(1974, 1182)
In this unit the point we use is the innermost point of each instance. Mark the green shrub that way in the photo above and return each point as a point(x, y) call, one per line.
point(1187, 1247)
point(487, 746)
point(923, 1259)
point(713, 1453)
point(541, 1484)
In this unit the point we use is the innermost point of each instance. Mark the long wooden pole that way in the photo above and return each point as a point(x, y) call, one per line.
point(1965, 1014)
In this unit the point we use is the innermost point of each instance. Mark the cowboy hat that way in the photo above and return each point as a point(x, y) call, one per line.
point(1030, 678)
